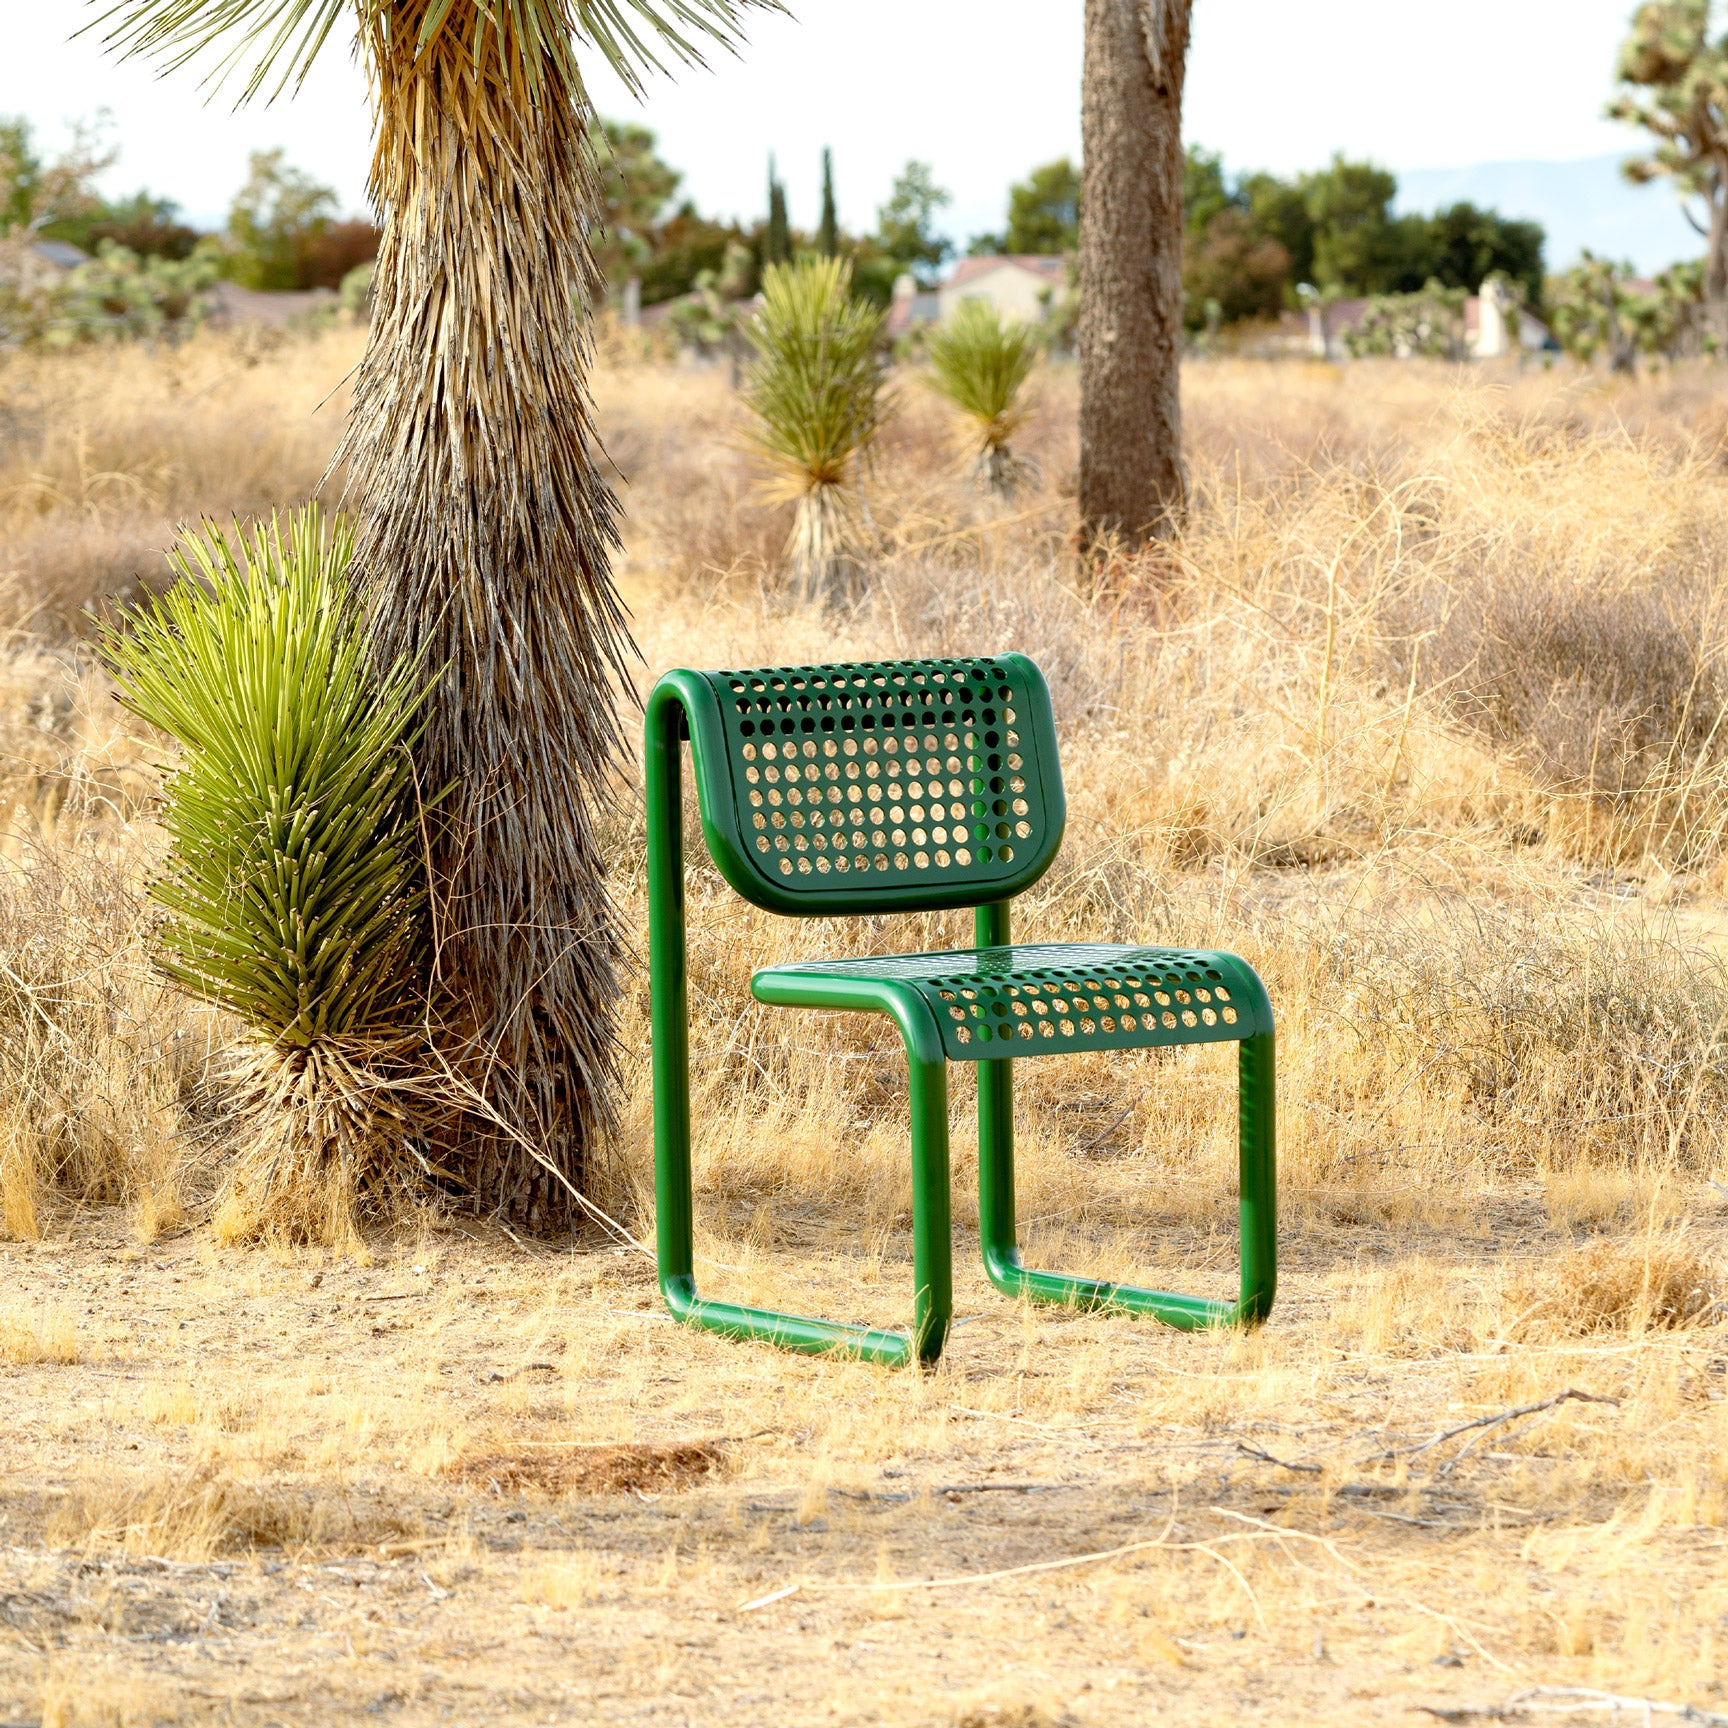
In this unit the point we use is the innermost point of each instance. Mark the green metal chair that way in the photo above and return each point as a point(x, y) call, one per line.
point(907, 786)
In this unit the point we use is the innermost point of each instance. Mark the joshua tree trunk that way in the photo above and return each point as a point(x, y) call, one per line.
point(998, 470)
point(1131, 482)
point(484, 535)
point(820, 550)
point(1716, 259)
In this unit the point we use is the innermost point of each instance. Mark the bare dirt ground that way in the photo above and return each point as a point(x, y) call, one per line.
point(469, 1482)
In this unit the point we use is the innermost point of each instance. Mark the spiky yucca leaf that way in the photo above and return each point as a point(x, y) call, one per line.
point(981, 361)
point(293, 882)
point(816, 389)
point(289, 33)
point(816, 385)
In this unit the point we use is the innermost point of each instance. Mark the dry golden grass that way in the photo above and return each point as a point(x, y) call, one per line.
point(1422, 715)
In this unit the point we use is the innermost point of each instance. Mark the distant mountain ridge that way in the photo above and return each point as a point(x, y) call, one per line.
point(1581, 203)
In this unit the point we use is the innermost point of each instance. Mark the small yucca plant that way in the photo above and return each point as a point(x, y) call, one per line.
point(981, 362)
point(817, 393)
point(293, 889)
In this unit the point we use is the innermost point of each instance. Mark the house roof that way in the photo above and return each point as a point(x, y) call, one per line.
point(911, 309)
point(1049, 266)
point(61, 252)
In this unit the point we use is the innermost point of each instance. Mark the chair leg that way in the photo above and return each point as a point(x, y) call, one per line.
point(674, 1200)
point(932, 1251)
point(1258, 1212)
point(932, 1227)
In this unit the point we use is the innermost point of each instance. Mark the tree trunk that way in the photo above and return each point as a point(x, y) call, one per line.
point(1716, 262)
point(1131, 480)
point(484, 536)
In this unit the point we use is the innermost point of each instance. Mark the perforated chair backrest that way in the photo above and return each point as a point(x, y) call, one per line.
point(883, 786)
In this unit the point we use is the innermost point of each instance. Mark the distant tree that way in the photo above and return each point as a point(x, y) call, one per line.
point(777, 235)
point(1234, 268)
point(874, 272)
point(905, 225)
point(37, 193)
point(1044, 210)
point(278, 214)
point(1231, 267)
point(1205, 190)
point(828, 231)
point(149, 227)
point(1465, 246)
point(685, 245)
point(59, 200)
point(1336, 230)
point(1674, 75)
point(637, 186)
point(334, 251)
point(1358, 245)
point(1131, 233)
point(1280, 211)
point(1595, 312)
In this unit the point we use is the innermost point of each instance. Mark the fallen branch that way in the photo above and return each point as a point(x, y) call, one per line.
point(1570, 1395)
point(1569, 1700)
point(1255, 1453)
point(1160, 1542)
point(1098, 1139)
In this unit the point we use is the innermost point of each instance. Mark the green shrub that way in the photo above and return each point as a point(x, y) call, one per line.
point(1429, 324)
point(816, 390)
point(980, 361)
point(292, 891)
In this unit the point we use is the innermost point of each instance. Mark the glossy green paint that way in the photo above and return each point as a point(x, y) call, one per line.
point(973, 765)
point(1257, 1157)
point(799, 769)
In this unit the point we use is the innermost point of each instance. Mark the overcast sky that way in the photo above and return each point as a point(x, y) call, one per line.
point(981, 89)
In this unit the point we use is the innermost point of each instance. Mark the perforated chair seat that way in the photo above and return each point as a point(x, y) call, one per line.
point(1045, 999)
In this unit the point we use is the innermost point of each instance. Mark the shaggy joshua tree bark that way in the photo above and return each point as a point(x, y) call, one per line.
point(485, 527)
point(1131, 480)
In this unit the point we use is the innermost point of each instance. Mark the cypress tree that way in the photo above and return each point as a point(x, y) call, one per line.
point(828, 235)
point(777, 243)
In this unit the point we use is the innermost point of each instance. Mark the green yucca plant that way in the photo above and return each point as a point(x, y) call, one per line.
point(293, 888)
point(816, 390)
point(981, 361)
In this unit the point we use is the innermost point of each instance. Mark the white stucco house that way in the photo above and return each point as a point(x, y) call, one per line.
point(1496, 325)
point(1021, 286)
point(1018, 285)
